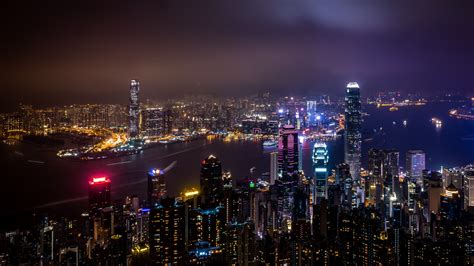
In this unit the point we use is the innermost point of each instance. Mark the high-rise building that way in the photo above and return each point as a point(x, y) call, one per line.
point(211, 181)
point(415, 164)
point(99, 193)
point(240, 244)
point(469, 187)
point(288, 151)
point(273, 167)
point(344, 179)
point(392, 163)
point(353, 129)
point(47, 244)
point(453, 176)
point(450, 205)
point(152, 124)
point(167, 121)
point(391, 171)
point(156, 186)
point(320, 166)
point(134, 108)
point(167, 227)
point(227, 196)
point(376, 163)
point(435, 189)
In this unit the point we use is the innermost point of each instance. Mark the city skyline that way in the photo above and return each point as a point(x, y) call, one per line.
point(237, 133)
point(69, 52)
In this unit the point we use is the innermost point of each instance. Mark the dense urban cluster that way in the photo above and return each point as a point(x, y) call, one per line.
point(385, 214)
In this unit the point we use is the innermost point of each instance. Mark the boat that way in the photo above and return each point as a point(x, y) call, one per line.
point(437, 122)
point(270, 143)
point(393, 108)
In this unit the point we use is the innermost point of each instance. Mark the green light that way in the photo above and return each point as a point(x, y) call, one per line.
point(252, 184)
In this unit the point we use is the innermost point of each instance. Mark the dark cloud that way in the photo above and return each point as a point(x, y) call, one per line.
point(80, 51)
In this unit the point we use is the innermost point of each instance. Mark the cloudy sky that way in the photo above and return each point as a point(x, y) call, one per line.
point(59, 52)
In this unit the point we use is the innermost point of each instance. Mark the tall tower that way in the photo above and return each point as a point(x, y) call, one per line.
point(134, 108)
point(415, 164)
point(320, 163)
point(353, 129)
point(211, 181)
point(99, 193)
point(273, 167)
point(166, 229)
point(288, 151)
point(156, 186)
point(469, 187)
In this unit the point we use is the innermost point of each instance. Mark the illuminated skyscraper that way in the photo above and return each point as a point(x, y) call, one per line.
point(211, 181)
point(167, 227)
point(152, 122)
point(134, 108)
point(99, 193)
point(240, 244)
point(273, 167)
point(376, 162)
point(320, 163)
point(47, 244)
point(415, 164)
point(344, 179)
point(288, 151)
point(469, 187)
point(156, 186)
point(353, 129)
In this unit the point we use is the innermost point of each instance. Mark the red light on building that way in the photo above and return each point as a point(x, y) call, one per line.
point(99, 180)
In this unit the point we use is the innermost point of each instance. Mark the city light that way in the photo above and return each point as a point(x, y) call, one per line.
point(99, 180)
point(278, 156)
point(191, 193)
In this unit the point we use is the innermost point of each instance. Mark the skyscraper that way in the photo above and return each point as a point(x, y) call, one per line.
point(152, 122)
point(392, 163)
point(273, 167)
point(211, 181)
point(344, 179)
point(167, 227)
point(134, 108)
point(156, 186)
point(288, 151)
point(320, 162)
point(353, 129)
point(99, 193)
point(469, 187)
point(415, 164)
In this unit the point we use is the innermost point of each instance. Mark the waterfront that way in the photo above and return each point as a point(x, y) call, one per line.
point(35, 180)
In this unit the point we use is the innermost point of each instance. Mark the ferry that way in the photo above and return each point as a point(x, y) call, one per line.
point(437, 122)
point(270, 144)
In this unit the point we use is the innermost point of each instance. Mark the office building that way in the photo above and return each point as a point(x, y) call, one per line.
point(288, 151)
point(320, 166)
point(99, 193)
point(415, 164)
point(134, 108)
point(353, 129)
point(469, 187)
point(156, 186)
point(273, 167)
point(211, 181)
point(167, 227)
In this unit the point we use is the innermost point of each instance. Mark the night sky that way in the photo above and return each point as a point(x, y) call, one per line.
point(60, 52)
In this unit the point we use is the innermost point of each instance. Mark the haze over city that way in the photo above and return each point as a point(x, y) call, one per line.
point(237, 133)
point(83, 52)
